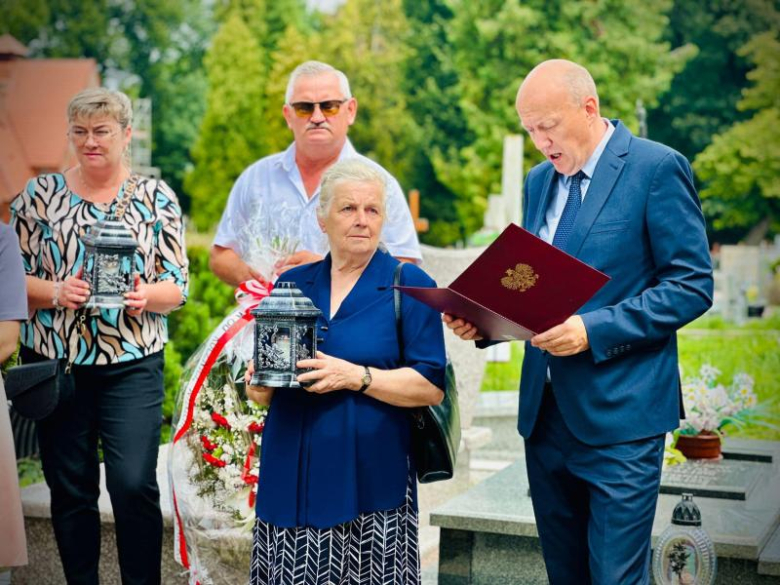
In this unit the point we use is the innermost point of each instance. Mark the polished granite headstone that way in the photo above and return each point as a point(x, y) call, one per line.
point(489, 537)
point(726, 479)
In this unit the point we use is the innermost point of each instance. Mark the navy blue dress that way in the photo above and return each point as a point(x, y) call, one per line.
point(327, 458)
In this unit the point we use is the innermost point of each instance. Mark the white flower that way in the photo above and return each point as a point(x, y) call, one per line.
point(709, 373)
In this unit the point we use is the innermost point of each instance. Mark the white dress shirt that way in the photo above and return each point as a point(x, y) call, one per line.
point(555, 209)
point(268, 201)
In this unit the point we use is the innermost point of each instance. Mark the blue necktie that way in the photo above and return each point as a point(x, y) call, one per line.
point(573, 203)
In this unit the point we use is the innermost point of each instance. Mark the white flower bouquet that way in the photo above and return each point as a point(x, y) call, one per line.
point(213, 470)
point(711, 406)
point(213, 463)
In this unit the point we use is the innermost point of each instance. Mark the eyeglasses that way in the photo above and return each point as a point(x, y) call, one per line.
point(80, 135)
point(328, 107)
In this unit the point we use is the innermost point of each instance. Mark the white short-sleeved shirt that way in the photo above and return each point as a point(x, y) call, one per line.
point(269, 203)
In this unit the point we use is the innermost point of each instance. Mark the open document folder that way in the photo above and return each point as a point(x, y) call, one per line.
point(518, 287)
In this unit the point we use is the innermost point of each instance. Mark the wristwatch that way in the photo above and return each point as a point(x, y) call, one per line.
point(365, 380)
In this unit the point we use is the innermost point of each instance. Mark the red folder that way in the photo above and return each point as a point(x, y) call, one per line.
point(518, 287)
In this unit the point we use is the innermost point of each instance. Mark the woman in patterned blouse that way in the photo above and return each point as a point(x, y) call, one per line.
point(118, 355)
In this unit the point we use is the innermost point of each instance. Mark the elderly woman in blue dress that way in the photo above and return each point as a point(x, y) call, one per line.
point(337, 497)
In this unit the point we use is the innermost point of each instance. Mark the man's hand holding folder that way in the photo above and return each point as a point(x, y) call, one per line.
point(520, 287)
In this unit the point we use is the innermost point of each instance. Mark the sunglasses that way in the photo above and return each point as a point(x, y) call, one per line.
point(328, 107)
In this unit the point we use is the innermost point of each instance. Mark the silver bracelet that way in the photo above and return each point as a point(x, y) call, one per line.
point(56, 298)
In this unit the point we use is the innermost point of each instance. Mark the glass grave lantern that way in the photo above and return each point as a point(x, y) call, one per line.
point(685, 554)
point(108, 263)
point(285, 332)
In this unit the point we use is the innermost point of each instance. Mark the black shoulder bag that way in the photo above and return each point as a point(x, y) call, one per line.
point(435, 429)
point(35, 389)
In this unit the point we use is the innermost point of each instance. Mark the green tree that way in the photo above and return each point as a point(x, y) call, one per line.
point(148, 46)
point(496, 42)
point(367, 40)
point(232, 134)
point(294, 48)
point(24, 18)
point(702, 99)
point(741, 167)
point(433, 95)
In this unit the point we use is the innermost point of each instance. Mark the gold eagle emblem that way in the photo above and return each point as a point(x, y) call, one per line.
point(521, 277)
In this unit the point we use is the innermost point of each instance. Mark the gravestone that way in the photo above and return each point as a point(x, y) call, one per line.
point(727, 479)
point(489, 537)
point(444, 265)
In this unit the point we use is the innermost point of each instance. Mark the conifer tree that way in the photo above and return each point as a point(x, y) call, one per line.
point(741, 167)
point(497, 42)
point(232, 134)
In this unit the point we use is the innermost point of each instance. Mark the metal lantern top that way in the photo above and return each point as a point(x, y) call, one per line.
point(286, 301)
point(110, 233)
point(109, 248)
point(686, 512)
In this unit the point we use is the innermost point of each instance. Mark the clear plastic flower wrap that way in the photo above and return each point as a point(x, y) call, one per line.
point(213, 463)
point(266, 237)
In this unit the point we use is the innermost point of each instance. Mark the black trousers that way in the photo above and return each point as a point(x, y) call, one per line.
point(120, 404)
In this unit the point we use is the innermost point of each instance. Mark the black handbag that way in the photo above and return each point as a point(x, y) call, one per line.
point(36, 389)
point(435, 429)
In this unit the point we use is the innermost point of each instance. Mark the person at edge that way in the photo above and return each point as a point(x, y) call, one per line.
point(319, 109)
point(13, 310)
point(337, 478)
point(599, 391)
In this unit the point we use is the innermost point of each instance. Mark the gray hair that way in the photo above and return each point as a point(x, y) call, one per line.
point(580, 84)
point(351, 170)
point(313, 69)
point(99, 101)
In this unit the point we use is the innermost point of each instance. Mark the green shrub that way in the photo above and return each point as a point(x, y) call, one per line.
point(753, 348)
point(209, 301)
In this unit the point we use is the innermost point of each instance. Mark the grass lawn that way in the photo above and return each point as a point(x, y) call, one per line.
point(753, 349)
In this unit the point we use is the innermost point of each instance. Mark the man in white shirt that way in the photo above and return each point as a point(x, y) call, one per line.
point(275, 199)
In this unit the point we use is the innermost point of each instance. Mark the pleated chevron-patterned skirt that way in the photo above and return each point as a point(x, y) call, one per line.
point(379, 548)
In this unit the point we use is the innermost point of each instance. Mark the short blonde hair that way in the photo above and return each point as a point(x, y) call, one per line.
point(99, 101)
point(351, 170)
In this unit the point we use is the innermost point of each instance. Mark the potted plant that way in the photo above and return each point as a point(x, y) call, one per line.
point(711, 406)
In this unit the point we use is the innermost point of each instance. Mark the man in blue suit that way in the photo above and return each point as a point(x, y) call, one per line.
point(599, 391)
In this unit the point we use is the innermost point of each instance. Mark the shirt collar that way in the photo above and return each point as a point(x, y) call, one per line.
point(590, 166)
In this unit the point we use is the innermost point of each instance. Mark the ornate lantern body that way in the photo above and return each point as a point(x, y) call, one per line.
point(285, 326)
point(685, 554)
point(108, 263)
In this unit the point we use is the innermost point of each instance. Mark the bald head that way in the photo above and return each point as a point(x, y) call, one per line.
point(559, 107)
point(568, 78)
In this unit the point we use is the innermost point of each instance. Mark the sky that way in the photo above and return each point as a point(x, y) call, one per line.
point(324, 5)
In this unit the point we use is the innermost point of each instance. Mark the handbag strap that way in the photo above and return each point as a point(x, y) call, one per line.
point(127, 194)
point(397, 307)
point(79, 324)
point(415, 413)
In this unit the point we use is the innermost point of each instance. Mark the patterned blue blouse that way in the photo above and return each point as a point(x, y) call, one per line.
point(50, 221)
point(326, 458)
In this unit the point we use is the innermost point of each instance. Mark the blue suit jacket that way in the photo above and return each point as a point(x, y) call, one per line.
point(640, 223)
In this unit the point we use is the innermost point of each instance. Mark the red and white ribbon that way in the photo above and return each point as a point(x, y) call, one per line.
point(248, 295)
